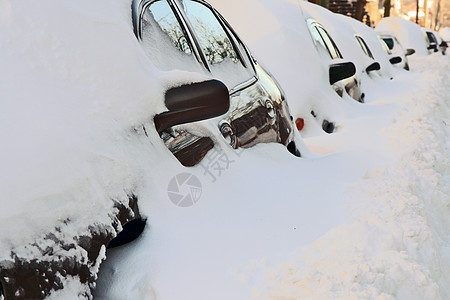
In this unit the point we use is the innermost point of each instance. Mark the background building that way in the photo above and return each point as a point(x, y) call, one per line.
point(434, 14)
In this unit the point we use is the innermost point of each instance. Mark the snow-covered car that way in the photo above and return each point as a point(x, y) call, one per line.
point(394, 48)
point(409, 34)
point(41, 267)
point(189, 36)
point(394, 60)
point(376, 55)
point(357, 42)
point(434, 41)
point(193, 36)
point(341, 73)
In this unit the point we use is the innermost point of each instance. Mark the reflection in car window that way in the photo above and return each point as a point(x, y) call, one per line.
point(165, 41)
point(321, 37)
point(216, 44)
point(332, 48)
point(364, 47)
point(316, 36)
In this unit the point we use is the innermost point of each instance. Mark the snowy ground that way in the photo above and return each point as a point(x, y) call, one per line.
point(364, 216)
point(397, 244)
point(367, 220)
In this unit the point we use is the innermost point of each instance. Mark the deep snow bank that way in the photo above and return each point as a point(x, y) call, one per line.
point(398, 246)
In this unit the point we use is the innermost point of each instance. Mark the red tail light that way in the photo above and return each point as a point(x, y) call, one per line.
point(300, 123)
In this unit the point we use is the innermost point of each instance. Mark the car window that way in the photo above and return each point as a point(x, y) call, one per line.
point(431, 37)
point(364, 47)
point(385, 46)
point(389, 42)
point(165, 41)
point(330, 45)
point(223, 59)
point(317, 38)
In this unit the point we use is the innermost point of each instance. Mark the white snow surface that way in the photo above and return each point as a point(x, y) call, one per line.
point(366, 217)
point(445, 33)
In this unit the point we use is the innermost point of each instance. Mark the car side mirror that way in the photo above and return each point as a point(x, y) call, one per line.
point(410, 52)
point(193, 102)
point(432, 47)
point(341, 71)
point(395, 60)
point(373, 67)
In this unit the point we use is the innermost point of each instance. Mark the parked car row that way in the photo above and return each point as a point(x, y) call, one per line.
point(416, 39)
point(241, 98)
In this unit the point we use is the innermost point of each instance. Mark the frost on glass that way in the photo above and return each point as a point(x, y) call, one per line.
point(224, 61)
point(164, 40)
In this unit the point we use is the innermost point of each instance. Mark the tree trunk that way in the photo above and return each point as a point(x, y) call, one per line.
point(417, 11)
point(387, 8)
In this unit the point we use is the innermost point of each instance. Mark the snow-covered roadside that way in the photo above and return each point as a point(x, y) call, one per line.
point(398, 245)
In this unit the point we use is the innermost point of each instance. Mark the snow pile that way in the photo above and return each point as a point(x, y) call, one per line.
point(398, 245)
point(445, 33)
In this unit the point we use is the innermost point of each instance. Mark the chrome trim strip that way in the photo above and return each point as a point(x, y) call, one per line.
point(243, 85)
point(187, 27)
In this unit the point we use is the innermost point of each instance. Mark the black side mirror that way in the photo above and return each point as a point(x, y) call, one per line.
point(373, 67)
point(410, 52)
point(395, 60)
point(193, 102)
point(341, 71)
point(432, 47)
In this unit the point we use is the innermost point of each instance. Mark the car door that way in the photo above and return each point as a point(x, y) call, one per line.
point(328, 48)
point(190, 35)
point(373, 67)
